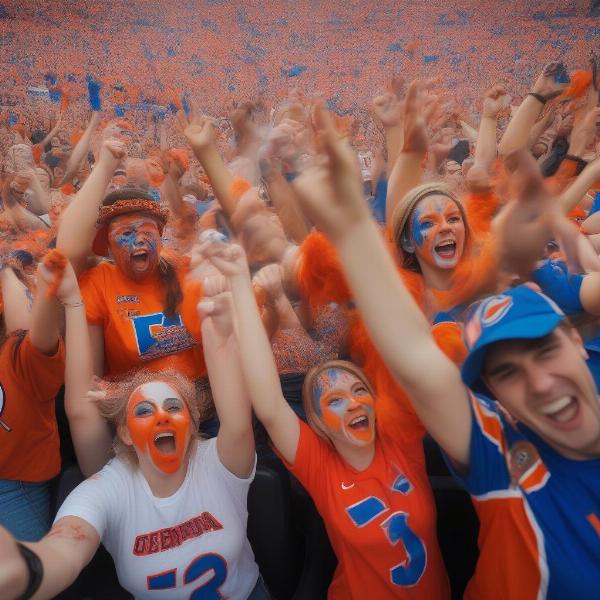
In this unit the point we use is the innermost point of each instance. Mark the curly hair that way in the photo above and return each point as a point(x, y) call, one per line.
point(113, 407)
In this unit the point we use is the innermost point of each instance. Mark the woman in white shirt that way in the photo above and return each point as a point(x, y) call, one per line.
point(171, 509)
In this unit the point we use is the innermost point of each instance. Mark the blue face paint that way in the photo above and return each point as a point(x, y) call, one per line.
point(419, 230)
point(330, 376)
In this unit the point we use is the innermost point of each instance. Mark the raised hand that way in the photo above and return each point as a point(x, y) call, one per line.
point(217, 306)
point(197, 128)
point(415, 114)
point(526, 225)
point(494, 101)
point(56, 271)
point(553, 80)
point(229, 259)
point(269, 278)
point(112, 152)
point(388, 109)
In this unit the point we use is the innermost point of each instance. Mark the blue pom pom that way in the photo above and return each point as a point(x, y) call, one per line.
point(119, 112)
point(94, 94)
point(185, 104)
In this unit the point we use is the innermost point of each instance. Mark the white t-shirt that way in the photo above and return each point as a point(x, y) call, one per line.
point(171, 547)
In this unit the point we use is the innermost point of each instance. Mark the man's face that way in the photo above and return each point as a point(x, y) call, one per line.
point(134, 242)
point(546, 385)
point(438, 232)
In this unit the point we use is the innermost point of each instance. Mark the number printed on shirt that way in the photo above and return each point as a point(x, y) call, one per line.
point(198, 568)
point(396, 529)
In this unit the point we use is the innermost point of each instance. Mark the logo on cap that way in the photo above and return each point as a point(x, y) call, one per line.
point(488, 313)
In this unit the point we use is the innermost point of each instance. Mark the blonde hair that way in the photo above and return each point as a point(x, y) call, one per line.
point(113, 407)
point(308, 391)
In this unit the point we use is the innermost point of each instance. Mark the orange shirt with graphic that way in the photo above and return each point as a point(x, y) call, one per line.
point(381, 521)
point(137, 333)
point(29, 382)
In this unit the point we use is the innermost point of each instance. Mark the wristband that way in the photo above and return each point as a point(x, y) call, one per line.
point(35, 570)
point(576, 159)
point(538, 97)
point(73, 304)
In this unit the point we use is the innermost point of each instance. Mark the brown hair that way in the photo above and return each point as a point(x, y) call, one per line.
point(113, 407)
point(308, 391)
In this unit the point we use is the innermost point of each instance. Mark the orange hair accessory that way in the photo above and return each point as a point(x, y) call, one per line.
point(56, 262)
point(448, 336)
point(180, 156)
point(580, 81)
point(239, 186)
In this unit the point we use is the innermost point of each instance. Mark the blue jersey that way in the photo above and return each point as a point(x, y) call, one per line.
point(539, 513)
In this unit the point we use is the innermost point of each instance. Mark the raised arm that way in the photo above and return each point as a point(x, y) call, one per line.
point(81, 148)
point(548, 85)
point(78, 222)
point(332, 198)
point(485, 148)
point(199, 132)
point(407, 170)
point(235, 440)
point(14, 296)
point(64, 552)
point(269, 278)
point(258, 364)
point(91, 435)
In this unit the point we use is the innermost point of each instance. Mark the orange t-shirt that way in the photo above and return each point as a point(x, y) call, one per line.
point(29, 382)
point(381, 521)
point(137, 334)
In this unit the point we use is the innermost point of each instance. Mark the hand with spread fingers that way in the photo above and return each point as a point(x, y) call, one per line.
point(197, 128)
point(553, 81)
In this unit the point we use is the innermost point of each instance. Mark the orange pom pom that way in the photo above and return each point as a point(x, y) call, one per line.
point(320, 276)
point(239, 187)
point(449, 339)
point(68, 189)
point(580, 81)
point(56, 262)
point(481, 209)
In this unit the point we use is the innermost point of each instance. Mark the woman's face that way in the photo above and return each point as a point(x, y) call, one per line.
point(437, 232)
point(134, 241)
point(345, 407)
point(159, 425)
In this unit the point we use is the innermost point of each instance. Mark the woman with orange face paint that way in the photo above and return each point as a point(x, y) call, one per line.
point(170, 508)
point(371, 489)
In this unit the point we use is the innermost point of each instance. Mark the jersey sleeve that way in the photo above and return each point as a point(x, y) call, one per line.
point(560, 285)
point(95, 500)
point(215, 470)
point(311, 462)
point(41, 374)
point(93, 298)
point(487, 471)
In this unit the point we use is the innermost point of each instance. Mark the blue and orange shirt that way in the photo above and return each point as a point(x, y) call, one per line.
point(539, 512)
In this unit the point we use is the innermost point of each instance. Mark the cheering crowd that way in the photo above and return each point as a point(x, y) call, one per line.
point(270, 290)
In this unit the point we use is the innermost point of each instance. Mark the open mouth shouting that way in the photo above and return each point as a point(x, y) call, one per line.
point(140, 260)
point(446, 250)
point(360, 423)
point(563, 413)
point(165, 442)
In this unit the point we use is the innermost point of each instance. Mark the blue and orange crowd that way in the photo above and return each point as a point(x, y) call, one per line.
point(234, 344)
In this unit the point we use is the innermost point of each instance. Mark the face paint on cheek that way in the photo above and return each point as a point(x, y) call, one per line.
point(419, 230)
point(162, 435)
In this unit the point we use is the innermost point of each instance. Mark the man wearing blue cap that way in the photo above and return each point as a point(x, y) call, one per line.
point(529, 451)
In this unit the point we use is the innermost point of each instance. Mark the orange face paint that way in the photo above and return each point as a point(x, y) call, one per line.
point(438, 231)
point(159, 423)
point(345, 406)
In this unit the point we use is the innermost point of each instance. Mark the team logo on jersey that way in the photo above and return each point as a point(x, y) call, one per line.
point(158, 335)
point(526, 467)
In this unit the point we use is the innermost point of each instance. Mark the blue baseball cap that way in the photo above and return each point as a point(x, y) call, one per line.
point(518, 314)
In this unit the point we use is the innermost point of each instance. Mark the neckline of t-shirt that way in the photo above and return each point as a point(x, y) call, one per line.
point(173, 498)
